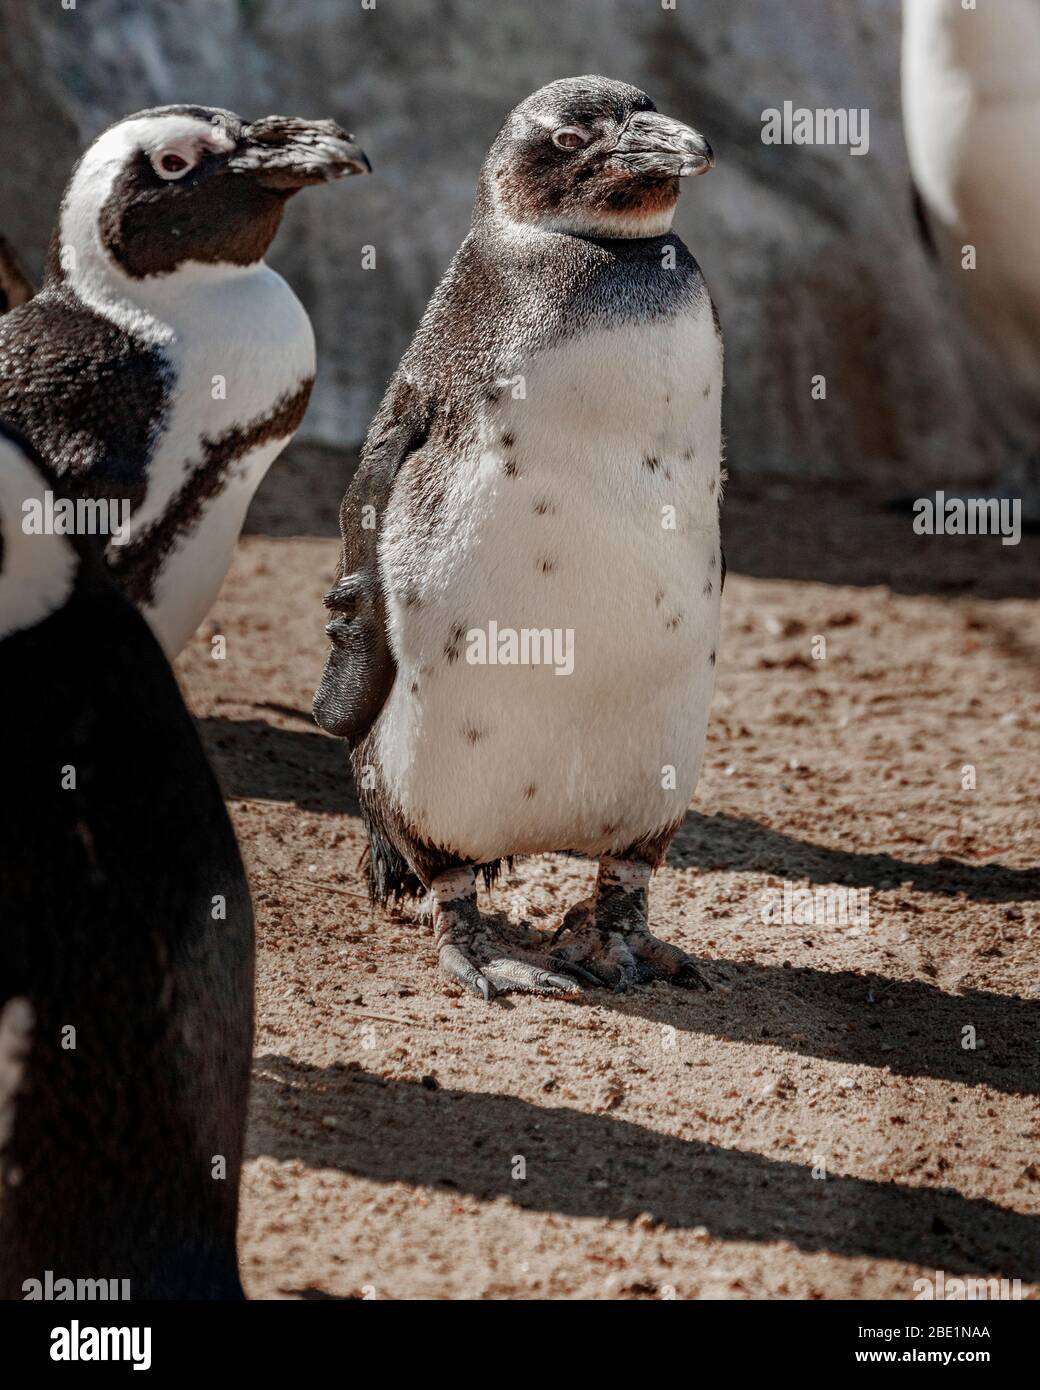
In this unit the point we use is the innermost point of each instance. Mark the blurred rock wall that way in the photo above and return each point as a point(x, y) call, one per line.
point(811, 253)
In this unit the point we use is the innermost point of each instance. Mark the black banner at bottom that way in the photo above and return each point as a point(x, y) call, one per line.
point(178, 1339)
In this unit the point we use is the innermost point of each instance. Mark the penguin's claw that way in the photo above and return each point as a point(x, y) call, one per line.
point(454, 963)
point(469, 953)
point(506, 974)
point(691, 976)
point(663, 961)
point(579, 972)
point(503, 974)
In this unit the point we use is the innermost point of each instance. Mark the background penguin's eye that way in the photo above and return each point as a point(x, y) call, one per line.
point(569, 138)
point(171, 165)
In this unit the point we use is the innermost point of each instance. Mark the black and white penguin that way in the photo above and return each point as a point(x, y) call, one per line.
point(164, 364)
point(971, 114)
point(544, 469)
point(126, 950)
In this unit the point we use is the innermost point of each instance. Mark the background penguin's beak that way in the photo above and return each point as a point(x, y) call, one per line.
point(655, 145)
point(288, 153)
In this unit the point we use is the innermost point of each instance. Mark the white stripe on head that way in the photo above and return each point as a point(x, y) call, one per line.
point(89, 268)
point(37, 572)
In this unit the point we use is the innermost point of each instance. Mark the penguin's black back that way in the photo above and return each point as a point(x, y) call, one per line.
point(109, 893)
point(90, 397)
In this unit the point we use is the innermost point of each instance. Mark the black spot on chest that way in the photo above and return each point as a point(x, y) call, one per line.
point(453, 646)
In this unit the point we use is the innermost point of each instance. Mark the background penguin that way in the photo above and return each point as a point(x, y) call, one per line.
point(15, 286)
point(971, 113)
point(163, 362)
point(547, 457)
point(127, 919)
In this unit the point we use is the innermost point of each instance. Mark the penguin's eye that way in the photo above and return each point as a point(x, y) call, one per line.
point(569, 137)
point(170, 165)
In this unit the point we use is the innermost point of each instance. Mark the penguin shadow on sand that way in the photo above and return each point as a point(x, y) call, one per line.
point(604, 1167)
point(127, 949)
point(735, 842)
point(913, 1027)
point(848, 534)
point(262, 761)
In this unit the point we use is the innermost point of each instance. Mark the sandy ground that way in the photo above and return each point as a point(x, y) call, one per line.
point(408, 1141)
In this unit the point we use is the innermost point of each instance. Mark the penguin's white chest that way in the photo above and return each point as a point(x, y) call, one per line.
point(241, 348)
point(555, 613)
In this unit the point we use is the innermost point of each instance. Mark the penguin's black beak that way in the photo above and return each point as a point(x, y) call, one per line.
point(655, 146)
point(287, 153)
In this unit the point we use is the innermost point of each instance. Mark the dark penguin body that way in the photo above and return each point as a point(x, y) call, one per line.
point(546, 460)
point(163, 365)
point(126, 952)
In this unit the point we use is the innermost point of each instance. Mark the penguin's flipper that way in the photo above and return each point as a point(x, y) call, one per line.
point(360, 668)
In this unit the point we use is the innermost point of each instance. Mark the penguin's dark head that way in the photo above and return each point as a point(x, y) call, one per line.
point(592, 157)
point(190, 184)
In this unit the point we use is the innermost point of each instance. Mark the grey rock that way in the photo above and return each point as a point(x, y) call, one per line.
point(811, 253)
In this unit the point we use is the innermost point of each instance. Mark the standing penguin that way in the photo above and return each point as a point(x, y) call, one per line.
point(526, 613)
point(126, 946)
point(164, 364)
point(971, 113)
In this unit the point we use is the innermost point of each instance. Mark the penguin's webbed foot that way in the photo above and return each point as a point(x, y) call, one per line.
point(467, 949)
point(607, 936)
point(603, 957)
point(620, 960)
